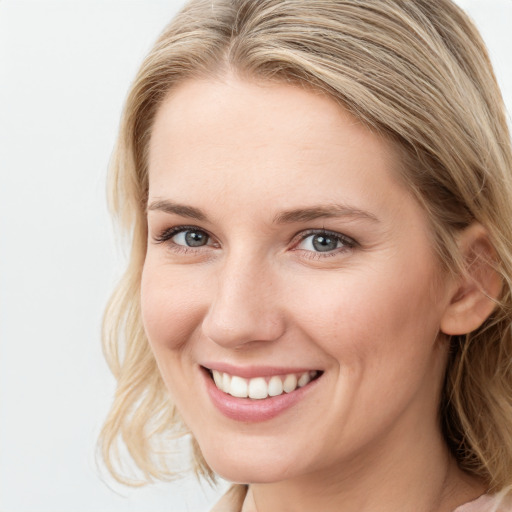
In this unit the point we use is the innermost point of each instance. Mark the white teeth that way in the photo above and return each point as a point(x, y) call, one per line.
point(290, 383)
point(238, 387)
point(258, 388)
point(226, 382)
point(275, 386)
point(303, 379)
point(217, 377)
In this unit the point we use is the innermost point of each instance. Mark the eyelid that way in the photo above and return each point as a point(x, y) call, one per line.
point(167, 234)
point(335, 234)
point(347, 241)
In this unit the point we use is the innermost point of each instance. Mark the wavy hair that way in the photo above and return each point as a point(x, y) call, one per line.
point(415, 71)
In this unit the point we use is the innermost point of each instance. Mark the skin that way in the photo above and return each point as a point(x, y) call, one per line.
point(367, 313)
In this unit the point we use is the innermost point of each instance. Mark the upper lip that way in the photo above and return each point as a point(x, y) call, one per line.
point(252, 371)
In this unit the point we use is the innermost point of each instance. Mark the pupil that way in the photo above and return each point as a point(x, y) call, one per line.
point(195, 238)
point(324, 243)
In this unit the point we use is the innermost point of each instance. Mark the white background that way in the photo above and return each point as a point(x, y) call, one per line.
point(65, 67)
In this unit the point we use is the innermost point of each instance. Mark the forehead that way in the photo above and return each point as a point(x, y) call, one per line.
point(260, 140)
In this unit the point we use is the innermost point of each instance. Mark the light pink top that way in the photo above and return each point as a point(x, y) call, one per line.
point(485, 503)
point(233, 501)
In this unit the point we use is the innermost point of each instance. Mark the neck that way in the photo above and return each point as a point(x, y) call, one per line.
point(418, 475)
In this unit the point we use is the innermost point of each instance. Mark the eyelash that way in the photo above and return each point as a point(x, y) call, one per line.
point(346, 241)
point(168, 234)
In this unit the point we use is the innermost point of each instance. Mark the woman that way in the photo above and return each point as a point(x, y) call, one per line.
point(319, 195)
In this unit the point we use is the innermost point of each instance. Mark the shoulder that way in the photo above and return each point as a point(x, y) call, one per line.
point(232, 500)
point(488, 503)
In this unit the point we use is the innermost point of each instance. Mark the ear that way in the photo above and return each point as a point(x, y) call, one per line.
point(473, 295)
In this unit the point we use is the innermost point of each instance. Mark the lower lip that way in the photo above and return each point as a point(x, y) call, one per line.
point(250, 410)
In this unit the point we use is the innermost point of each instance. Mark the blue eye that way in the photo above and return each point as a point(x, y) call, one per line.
point(191, 238)
point(324, 241)
point(185, 237)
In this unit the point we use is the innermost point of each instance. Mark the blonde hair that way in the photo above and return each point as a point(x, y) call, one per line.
point(417, 72)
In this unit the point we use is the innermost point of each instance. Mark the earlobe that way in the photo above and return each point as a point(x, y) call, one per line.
point(473, 298)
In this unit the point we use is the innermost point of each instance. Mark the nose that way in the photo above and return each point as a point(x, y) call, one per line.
point(245, 305)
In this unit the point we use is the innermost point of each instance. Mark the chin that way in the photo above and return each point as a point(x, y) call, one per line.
point(248, 473)
point(245, 466)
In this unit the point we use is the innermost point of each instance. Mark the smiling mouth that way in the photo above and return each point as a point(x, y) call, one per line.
point(259, 388)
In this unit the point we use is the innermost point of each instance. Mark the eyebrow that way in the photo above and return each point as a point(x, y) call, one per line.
point(327, 211)
point(285, 217)
point(178, 209)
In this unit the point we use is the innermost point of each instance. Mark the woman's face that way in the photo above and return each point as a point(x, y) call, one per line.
point(282, 247)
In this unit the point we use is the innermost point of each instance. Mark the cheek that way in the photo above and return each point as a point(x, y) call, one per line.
point(379, 333)
point(171, 306)
point(171, 314)
point(373, 317)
